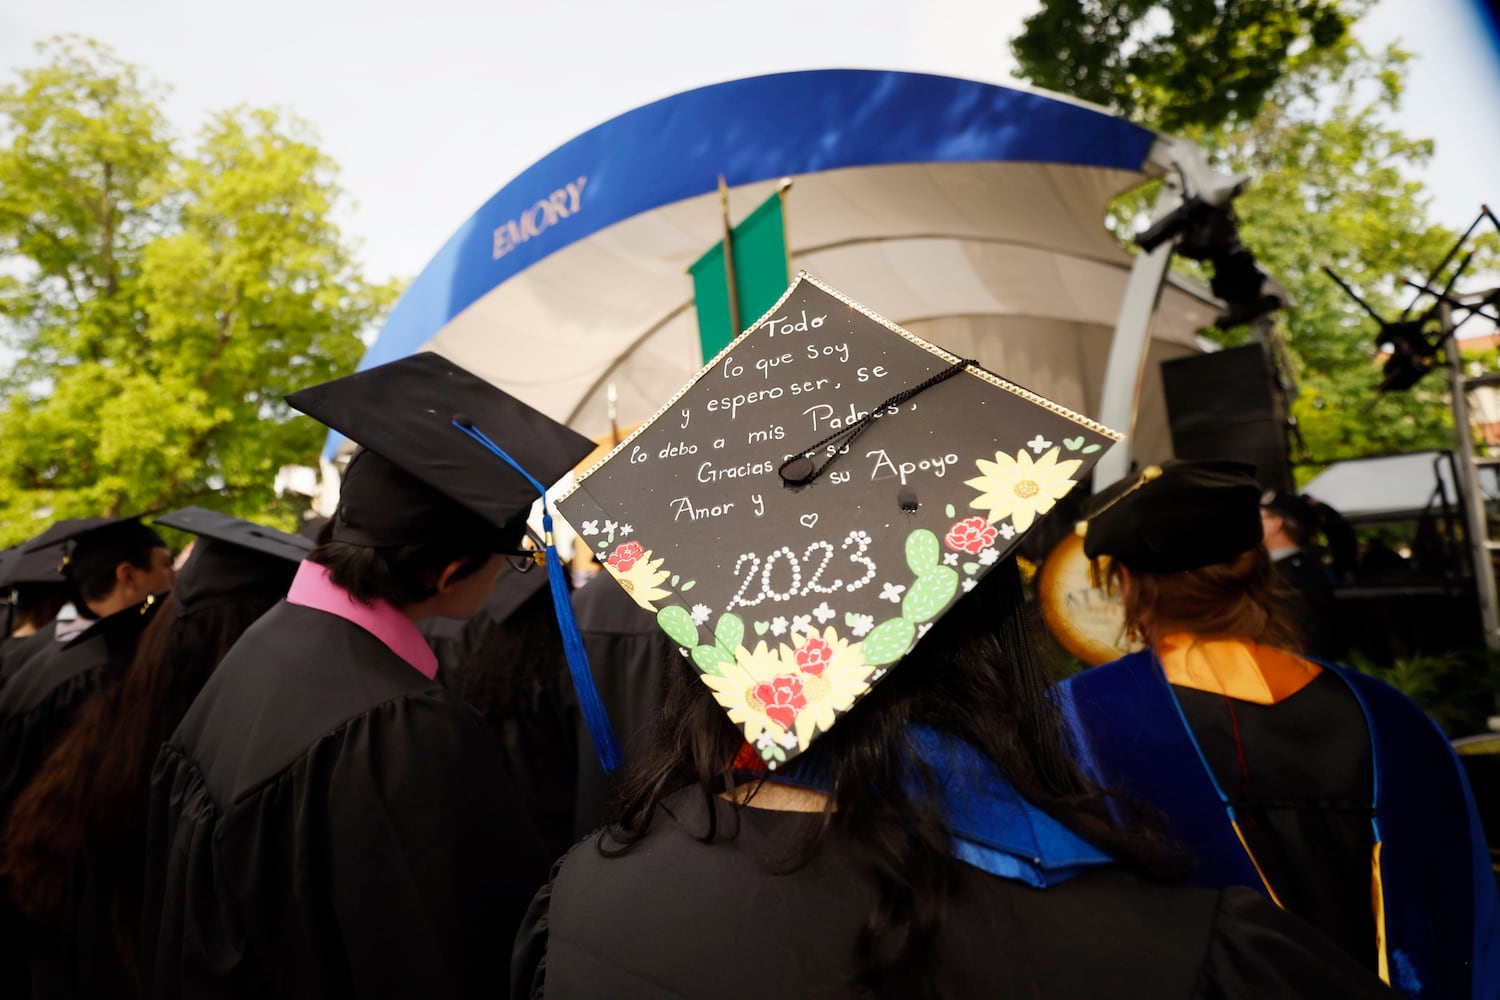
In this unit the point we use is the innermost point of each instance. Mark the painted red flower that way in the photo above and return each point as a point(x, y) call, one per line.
point(781, 698)
point(814, 656)
point(627, 554)
point(970, 535)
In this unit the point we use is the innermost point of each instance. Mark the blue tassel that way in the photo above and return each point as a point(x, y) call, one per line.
point(594, 716)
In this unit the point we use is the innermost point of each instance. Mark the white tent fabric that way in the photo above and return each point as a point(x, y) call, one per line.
point(1006, 260)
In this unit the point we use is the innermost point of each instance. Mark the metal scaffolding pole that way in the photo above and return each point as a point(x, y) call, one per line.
point(1476, 521)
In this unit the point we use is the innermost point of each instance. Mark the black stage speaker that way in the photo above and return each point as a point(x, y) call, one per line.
point(1228, 405)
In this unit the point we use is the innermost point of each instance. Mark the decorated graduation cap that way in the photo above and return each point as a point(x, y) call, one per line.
point(801, 512)
point(232, 559)
point(1176, 516)
point(438, 440)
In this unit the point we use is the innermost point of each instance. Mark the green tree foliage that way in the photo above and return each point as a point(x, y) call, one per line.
point(1331, 182)
point(160, 298)
point(1175, 64)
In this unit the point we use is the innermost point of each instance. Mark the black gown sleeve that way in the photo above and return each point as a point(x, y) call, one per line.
point(528, 962)
point(1258, 950)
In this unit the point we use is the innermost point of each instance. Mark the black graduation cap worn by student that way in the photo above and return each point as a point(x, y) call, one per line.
point(801, 512)
point(231, 559)
point(429, 431)
point(90, 546)
point(1180, 515)
point(40, 566)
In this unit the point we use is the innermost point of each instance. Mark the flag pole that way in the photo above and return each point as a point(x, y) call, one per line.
point(729, 284)
point(786, 232)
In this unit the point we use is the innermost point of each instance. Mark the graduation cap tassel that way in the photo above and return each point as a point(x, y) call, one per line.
point(594, 716)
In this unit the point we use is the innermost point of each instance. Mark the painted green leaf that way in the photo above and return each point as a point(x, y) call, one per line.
point(929, 594)
point(971, 568)
point(711, 659)
point(922, 551)
point(675, 578)
point(729, 633)
point(1091, 449)
point(677, 623)
point(889, 641)
point(688, 586)
point(1073, 444)
point(950, 511)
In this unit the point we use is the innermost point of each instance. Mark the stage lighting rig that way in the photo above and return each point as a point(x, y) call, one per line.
point(1204, 228)
point(1414, 341)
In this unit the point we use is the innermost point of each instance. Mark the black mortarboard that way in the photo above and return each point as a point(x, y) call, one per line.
point(232, 558)
point(39, 566)
point(429, 427)
point(815, 498)
point(1176, 516)
point(404, 413)
point(91, 545)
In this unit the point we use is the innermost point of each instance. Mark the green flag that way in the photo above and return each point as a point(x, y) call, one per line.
point(761, 275)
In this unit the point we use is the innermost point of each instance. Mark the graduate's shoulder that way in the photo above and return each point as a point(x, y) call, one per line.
point(55, 671)
point(303, 687)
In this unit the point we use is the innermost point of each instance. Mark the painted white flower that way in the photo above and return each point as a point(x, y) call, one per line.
point(862, 625)
point(789, 741)
point(879, 673)
point(923, 628)
point(765, 740)
point(1007, 531)
point(892, 592)
point(701, 613)
point(1038, 444)
point(626, 529)
point(589, 528)
point(987, 557)
point(822, 613)
point(778, 625)
point(609, 526)
point(968, 585)
point(801, 623)
point(950, 559)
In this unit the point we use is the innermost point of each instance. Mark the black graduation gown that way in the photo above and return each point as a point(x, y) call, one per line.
point(678, 917)
point(39, 701)
point(37, 705)
point(15, 652)
point(1301, 780)
point(328, 822)
point(628, 655)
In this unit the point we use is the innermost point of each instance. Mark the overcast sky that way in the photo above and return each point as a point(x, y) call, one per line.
point(431, 106)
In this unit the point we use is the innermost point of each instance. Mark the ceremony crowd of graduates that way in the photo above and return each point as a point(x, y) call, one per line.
point(355, 766)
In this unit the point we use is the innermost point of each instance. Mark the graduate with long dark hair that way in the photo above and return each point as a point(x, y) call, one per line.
point(859, 785)
point(74, 849)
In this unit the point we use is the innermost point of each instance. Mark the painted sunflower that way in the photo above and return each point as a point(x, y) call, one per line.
point(759, 692)
point(1019, 488)
point(638, 573)
point(834, 675)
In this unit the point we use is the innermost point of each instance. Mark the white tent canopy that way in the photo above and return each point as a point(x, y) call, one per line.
point(968, 213)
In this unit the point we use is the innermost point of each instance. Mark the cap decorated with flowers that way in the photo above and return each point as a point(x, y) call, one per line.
point(800, 514)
